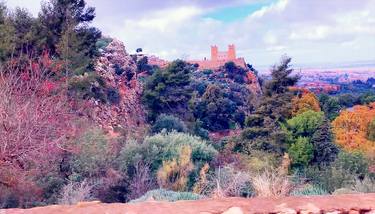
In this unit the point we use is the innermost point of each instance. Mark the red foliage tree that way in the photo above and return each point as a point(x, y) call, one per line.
point(36, 122)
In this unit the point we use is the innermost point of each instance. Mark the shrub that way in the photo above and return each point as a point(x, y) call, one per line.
point(309, 190)
point(342, 173)
point(113, 96)
point(343, 191)
point(87, 86)
point(228, 182)
point(355, 163)
point(169, 123)
point(271, 184)
point(301, 152)
point(103, 43)
point(174, 174)
point(118, 69)
point(305, 124)
point(164, 147)
point(166, 195)
point(92, 156)
point(367, 185)
point(170, 145)
point(74, 192)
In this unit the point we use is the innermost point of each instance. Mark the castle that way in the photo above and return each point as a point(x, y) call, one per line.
point(219, 58)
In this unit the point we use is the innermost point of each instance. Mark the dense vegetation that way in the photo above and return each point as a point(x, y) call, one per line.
point(281, 141)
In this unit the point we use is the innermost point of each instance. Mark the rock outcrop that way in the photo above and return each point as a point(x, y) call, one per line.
point(118, 70)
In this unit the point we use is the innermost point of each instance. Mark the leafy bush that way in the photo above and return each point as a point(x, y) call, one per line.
point(93, 156)
point(169, 123)
point(87, 86)
point(305, 124)
point(301, 152)
point(309, 190)
point(103, 43)
point(165, 147)
point(166, 195)
point(342, 173)
point(174, 174)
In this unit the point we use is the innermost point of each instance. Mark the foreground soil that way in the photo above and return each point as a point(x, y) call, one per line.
point(356, 203)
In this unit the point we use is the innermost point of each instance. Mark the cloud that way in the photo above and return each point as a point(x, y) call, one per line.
point(310, 31)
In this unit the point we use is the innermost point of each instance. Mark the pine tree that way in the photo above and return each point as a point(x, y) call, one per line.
point(275, 107)
point(325, 151)
point(169, 90)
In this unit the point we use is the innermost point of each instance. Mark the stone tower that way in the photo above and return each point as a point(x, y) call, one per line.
point(214, 53)
point(231, 52)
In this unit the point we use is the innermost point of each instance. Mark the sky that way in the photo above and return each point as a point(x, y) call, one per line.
point(312, 32)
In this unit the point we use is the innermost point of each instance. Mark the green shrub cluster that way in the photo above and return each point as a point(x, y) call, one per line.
point(166, 195)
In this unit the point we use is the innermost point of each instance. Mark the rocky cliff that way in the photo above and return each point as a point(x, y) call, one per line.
point(118, 70)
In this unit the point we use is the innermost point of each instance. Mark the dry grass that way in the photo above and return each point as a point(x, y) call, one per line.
point(72, 193)
point(271, 184)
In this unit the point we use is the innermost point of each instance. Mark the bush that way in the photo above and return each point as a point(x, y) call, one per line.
point(73, 192)
point(301, 152)
point(310, 190)
point(164, 147)
point(93, 156)
point(228, 182)
point(305, 124)
point(366, 185)
point(171, 144)
point(174, 174)
point(343, 172)
point(169, 123)
point(166, 195)
point(271, 184)
point(113, 96)
point(87, 86)
point(103, 43)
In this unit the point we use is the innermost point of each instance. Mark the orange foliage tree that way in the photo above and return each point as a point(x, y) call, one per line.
point(351, 129)
point(306, 101)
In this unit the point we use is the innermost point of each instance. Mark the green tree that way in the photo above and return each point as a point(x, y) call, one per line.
point(330, 106)
point(215, 110)
point(305, 124)
point(7, 31)
point(301, 152)
point(325, 151)
point(68, 49)
point(169, 91)
point(65, 27)
point(274, 108)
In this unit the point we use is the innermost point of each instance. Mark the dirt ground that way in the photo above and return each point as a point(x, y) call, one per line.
point(356, 203)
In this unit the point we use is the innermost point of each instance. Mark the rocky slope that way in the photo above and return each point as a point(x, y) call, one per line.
point(348, 204)
point(118, 70)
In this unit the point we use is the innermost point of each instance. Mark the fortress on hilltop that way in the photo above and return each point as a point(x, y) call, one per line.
point(219, 58)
